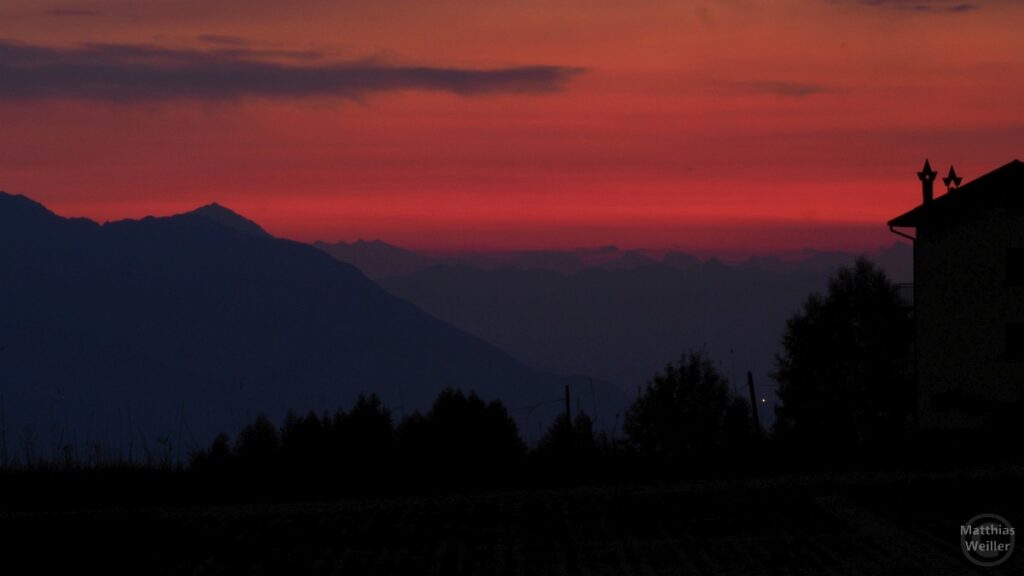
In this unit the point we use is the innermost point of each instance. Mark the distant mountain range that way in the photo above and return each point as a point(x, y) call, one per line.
point(378, 259)
point(622, 315)
point(375, 258)
point(146, 334)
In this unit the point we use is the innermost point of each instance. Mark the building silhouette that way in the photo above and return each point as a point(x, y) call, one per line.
point(968, 297)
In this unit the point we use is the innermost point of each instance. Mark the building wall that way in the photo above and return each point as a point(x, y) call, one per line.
point(965, 315)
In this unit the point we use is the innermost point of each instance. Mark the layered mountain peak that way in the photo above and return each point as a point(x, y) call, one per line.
point(226, 217)
point(16, 205)
point(25, 220)
point(150, 328)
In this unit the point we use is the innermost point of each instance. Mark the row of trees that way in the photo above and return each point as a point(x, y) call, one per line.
point(843, 377)
point(685, 416)
point(461, 440)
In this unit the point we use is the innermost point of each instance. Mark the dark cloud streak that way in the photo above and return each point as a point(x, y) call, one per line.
point(930, 6)
point(224, 40)
point(787, 89)
point(127, 73)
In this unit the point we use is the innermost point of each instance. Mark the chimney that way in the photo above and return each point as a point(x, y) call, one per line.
point(927, 176)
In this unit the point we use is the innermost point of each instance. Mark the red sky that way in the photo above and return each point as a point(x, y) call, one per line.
point(734, 124)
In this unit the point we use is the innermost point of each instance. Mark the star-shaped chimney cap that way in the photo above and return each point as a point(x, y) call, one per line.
point(927, 174)
point(952, 181)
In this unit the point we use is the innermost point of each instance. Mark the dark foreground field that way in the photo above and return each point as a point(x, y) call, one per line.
point(814, 525)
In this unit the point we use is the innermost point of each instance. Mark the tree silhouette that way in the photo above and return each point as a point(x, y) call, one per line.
point(569, 440)
point(844, 367)
point(569, 451)
point(304, 446)
point(366, 439)
point(688, 412)
point(258, 443)
point(462, 440)
point(214, 460)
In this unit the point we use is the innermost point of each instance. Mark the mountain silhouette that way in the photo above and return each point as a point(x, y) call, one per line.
point(378, 259)
point(375, 258)
point(627, 322)
point(165, 331)
point(228, 218)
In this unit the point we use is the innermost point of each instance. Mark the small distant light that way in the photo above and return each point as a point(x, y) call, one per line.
point(764, 400)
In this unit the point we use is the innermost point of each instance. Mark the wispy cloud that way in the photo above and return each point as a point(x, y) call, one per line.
point(786, 89)
point(933, 6)
point(117, 72)
point(224, 40)
point(73, 12)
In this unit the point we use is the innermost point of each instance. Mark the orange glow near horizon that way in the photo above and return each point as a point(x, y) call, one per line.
point(738, 125)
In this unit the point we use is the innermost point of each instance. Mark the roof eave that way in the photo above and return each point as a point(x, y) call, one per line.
point(907, 220)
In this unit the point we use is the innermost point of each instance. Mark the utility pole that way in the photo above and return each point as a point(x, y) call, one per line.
point(753, 403)
point(568, 406)
point(3, 432)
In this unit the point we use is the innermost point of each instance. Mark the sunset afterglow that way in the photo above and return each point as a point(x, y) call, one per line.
point(740, 125)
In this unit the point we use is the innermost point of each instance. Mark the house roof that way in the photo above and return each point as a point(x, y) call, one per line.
point(987, 189)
